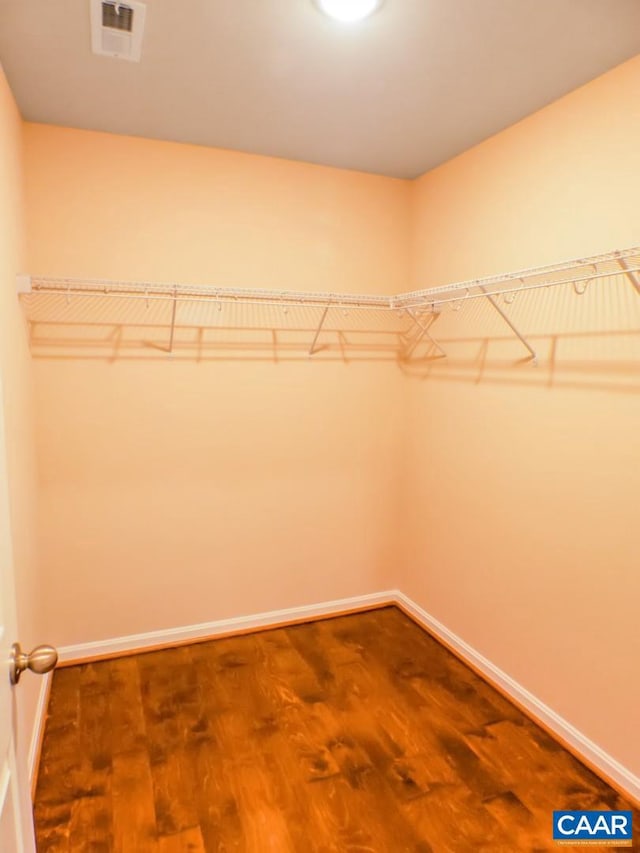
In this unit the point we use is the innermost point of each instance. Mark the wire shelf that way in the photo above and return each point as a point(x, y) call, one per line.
point(399, 324)
point(575, 272)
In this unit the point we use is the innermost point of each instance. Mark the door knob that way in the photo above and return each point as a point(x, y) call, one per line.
point(42, 659)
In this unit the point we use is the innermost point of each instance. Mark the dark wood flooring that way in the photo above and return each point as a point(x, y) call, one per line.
point(356, 734)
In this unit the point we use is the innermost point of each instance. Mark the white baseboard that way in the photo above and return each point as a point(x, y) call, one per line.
point(590, 751)
point(166, 637)
point(37, 733)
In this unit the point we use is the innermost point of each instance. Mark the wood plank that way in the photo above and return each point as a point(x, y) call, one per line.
point(91, 826)
point(134, 817)
point(169, 691)
point(128, 726)
point(58, 774)
point(52, 821)
point(188, 841)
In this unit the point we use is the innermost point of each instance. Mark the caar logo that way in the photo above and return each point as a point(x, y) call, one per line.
point(606, 829)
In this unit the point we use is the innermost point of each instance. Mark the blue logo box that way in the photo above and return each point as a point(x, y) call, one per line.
point(606, 828)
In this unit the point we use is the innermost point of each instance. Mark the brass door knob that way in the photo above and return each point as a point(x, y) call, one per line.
point(42, 659)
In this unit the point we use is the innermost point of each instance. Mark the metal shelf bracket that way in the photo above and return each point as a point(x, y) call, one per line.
point(517, 333)
point(630, 274)
point(174, 308)
point(312, 348)
point(423, 333)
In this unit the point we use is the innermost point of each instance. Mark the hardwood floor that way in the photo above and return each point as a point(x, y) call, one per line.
point(356, 734)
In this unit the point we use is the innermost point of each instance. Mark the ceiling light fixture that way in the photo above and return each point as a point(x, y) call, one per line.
point(349, 10)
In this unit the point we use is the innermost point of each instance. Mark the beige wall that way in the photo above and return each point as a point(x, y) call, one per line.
point(521, 503)
point(105, 205)
point(17, 391)
point(181, 490)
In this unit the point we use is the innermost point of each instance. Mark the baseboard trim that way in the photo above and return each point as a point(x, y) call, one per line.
point(101, 649)
point(595, 758)
point(37, 734)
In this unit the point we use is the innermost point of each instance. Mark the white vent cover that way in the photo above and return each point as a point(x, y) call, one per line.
point(117, 28)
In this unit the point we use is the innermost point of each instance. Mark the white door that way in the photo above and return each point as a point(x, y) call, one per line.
point(16, 821)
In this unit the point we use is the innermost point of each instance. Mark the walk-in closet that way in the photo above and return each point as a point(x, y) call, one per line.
point(320, 418)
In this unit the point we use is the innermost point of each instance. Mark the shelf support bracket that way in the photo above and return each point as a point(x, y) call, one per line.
point(423, 333)
point(312, 348)
point(633, 276)
point(516, 332)
point(173, 319)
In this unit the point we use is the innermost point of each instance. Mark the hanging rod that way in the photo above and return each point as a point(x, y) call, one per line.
point(198, 293)
point(625, 262)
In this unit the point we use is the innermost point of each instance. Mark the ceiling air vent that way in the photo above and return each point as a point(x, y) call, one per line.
point(117, 28)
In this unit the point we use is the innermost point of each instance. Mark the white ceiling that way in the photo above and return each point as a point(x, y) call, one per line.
point(417, 83)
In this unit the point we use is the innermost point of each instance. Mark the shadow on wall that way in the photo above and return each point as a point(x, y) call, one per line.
point(115, 328)
point(491, 364)
point(587, 340)
point(117, 343)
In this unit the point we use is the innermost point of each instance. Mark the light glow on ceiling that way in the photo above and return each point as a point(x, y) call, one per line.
point(348, 10)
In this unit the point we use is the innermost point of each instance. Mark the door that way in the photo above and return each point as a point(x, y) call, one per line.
point(16, 820)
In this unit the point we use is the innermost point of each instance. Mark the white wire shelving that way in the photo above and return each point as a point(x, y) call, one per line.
point(406, 317)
